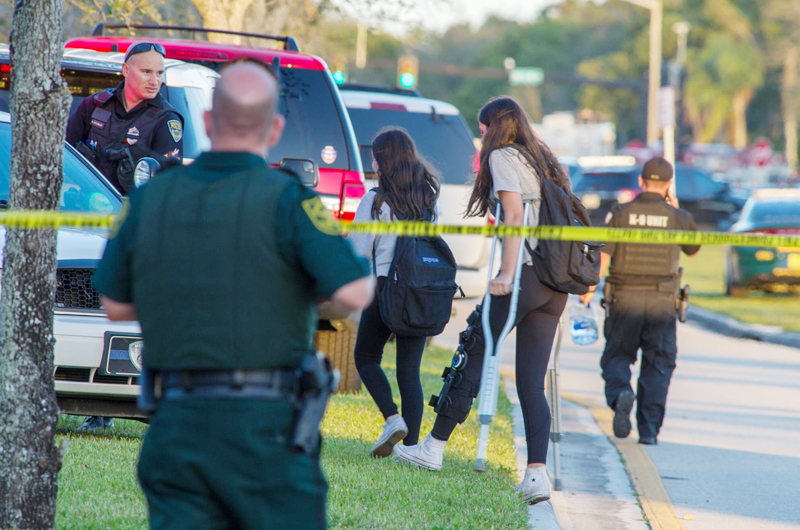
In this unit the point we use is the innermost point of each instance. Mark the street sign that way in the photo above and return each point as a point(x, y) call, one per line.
point(525, 76)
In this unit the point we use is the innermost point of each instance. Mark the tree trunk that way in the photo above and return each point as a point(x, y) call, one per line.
point(29, 460)
point(741, 99)
point(223, 14)
point(789, 96)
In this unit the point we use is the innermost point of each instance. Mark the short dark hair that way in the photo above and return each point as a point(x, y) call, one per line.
point(657, 169)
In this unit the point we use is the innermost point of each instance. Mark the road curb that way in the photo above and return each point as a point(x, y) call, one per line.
point(731, 327)
point(656, 504)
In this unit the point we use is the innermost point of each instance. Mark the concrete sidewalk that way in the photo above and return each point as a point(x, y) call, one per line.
point(597, 491)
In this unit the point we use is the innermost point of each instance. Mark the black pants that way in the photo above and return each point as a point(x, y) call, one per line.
point(538, 311)
point(646, 320)
point(371, 339)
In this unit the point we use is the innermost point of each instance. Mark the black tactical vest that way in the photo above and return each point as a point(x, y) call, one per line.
point(112, 133)
point(212, 290)
point(644, 264)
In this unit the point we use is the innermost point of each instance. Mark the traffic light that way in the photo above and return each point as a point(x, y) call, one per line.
point(407, 71)
point(339, 76)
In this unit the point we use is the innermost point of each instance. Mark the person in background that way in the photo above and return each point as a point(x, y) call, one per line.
point(640, 298)
point(117, 127)
point(513, 162)
point(407, 189)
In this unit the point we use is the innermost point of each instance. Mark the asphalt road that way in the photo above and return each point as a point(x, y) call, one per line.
point(729, 451)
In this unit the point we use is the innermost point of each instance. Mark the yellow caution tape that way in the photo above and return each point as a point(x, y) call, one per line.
point(47, 219)
point(38, 219)
point(580, 233)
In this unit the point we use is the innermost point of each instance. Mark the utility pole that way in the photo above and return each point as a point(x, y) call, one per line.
point(361, 46)
point(656, 8)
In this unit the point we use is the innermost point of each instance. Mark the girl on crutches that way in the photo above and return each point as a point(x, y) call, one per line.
point(508, 156)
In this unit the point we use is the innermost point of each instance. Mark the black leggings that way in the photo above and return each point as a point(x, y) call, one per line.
point(538, 311)
point(372, 337)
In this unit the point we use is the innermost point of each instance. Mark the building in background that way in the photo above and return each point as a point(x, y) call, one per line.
point(576, 134)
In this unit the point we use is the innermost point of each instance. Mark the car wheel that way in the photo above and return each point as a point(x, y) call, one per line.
point(736, 291)
point(339, 347)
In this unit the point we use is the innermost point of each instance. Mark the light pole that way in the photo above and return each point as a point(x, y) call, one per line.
point(656, 8)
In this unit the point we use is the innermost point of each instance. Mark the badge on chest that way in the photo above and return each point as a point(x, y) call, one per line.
point(132, 136)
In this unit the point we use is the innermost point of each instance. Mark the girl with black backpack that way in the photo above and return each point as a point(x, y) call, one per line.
point(508, 158)
point(407, 189)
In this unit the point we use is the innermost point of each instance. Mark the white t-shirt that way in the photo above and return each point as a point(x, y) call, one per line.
point(511, 171)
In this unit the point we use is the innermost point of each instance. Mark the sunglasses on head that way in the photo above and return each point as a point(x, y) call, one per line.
point(144, 47)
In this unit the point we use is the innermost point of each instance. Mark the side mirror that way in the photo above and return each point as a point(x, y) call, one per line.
point(145, 169)
point(304, 169)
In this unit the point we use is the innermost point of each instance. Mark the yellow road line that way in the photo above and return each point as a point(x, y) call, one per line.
point(655, 500)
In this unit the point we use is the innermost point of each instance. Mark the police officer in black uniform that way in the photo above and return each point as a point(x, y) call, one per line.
point(223, 262)
point(117, 127)
point(640, 300)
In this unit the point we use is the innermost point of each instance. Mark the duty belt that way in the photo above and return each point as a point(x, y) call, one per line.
point(263, 384)
point(665, 287)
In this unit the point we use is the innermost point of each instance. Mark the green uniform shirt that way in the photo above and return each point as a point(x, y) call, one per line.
point(225, 261)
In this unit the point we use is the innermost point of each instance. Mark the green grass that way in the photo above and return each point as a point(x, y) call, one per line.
point(98, 487)
point(705, 273)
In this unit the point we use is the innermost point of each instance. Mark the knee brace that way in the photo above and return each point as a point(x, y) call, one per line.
point(470, 341)
point(459, 390)
point(458, 393)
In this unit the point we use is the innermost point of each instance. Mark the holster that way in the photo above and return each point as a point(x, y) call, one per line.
point(125, 166)
point(316, 381)
point(681, 297)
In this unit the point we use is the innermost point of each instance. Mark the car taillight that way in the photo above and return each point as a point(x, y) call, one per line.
point(626, 196)
point(352, 191)
point(5, 68)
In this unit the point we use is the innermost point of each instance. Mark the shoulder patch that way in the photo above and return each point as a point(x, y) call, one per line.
point(320, 217)
point(175, 129)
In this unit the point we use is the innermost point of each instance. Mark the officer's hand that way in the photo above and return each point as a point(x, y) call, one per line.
point(672, 198)
point(501, 285)
point(586, 299)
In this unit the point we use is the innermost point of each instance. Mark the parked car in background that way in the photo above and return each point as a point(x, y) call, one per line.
point(443, 137)
point(317, 124)
point(606, 181)
point(765, 268)
point(96, 361)
point(187, 87)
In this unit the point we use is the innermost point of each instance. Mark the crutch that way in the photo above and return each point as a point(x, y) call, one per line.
point(554, 400)
point(490, 377)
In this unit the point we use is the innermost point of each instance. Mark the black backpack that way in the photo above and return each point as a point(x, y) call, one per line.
point(417, 297)
point(565, 266)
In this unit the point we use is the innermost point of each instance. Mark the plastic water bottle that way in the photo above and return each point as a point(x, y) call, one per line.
point(583, 324)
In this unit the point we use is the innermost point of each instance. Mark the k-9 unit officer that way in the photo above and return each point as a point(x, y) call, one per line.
point(640, 300)
point(117, 127)
point(223, 262)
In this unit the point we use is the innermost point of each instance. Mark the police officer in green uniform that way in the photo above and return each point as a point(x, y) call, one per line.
point(640, 301)
point(223, 262)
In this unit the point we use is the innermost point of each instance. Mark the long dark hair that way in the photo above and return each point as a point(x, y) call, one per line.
point(509, 126)
point(405, 180)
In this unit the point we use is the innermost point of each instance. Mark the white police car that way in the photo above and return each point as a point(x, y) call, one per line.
point(96, 361)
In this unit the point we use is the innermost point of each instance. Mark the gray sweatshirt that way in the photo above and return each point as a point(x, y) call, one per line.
point(383, 244)
point(364, 243)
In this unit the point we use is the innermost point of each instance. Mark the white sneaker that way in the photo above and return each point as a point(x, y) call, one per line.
point(394, 430)
point(428, 454)
point(535, 486)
